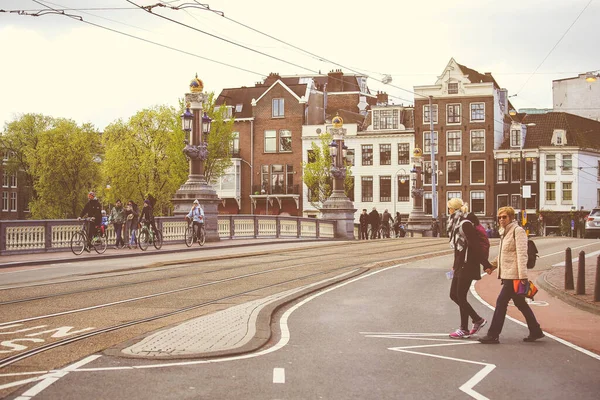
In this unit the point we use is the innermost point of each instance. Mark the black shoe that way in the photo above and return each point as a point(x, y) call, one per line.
point(88, 250)
point(487, 339)
point(534, 337)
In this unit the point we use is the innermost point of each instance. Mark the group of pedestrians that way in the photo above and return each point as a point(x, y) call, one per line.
point(377, 221)
point(511, 263)
point(125, 220)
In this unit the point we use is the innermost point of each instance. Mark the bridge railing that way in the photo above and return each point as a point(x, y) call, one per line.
point(36, 236)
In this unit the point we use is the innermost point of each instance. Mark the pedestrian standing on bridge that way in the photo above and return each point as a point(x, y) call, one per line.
point(468, 256)
point(512, 264)
point(374, 220)
point(364, 225)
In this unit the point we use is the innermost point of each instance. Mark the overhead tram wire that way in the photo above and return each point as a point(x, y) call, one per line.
point(220, 38)
point(557, 43)
point(79, 18)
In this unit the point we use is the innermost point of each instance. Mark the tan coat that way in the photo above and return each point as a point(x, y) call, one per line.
point(512, 255)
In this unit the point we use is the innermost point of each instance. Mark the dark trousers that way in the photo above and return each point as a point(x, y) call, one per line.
point(119, 232)
point(506, 293)
point(458, 293)
point(364, 233)
point(375, 231)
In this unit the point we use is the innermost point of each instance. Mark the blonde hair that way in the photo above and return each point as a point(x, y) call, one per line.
point(455, 203)
point(508, 210)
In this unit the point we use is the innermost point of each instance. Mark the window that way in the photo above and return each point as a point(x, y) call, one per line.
point(367, 154)
point(453, 173)
point(478, 202)
point(239, 107)
point(515, 138)
point(426, 114)
point(311, 157)
point(530, 169)
point(559, 137)
point(426, 175)
point(453, 88)
point(277, 179)
point(550, 191)
point(385, 154)
point(598, 197)
point(454, 142)
point(567, 164)
point(278, 110)
point(403, 154)
point(403, 188)
point(13, 201)
point(453, 116)
point(270, 141)
point(228, 112)
point(366, 188)
point(551, 163)
point(453, 195)
point(427, 203)
point(427, 142)
point(515, 170)
point(477, 112)
point(502, 200)
point(13, 180)
point(285, 141)
point(385, 188)
point(515, 201)
point(598, 169)
point(4, 201)
point(478, 141)
point(567, 192)
point(385, 119)
point(477, 171)
point(5, 180)
point(235, 145)
point(503, 170)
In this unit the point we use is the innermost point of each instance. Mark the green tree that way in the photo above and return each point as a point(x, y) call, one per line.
point(144, 156)
point(219, 141)
point(317, 176)
point(20, 140)
point(65, 167)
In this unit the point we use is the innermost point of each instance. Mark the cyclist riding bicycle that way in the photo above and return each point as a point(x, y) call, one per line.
point(147, 216)
point(196, 214)
point(92, 209)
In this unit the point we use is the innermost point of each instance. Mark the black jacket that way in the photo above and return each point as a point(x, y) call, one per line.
point(364, 220)
point(92, 209)
point(471, 257)
point(374, 218)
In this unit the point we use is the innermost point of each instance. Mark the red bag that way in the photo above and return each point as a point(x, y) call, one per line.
point(526, 289)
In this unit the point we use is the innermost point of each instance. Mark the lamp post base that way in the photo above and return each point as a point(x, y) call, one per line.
point(419, 224)
point(196, 188)
point(338, 207)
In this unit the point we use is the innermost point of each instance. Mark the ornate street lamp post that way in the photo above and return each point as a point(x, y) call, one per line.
point(418, 223)
point(338, 206)
point(197, 129)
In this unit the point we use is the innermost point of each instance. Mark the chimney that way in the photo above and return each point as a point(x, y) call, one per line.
point(272, 78)
point(335, 81)
point(382, 98)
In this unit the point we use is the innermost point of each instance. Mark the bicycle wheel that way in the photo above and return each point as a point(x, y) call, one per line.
point(77, 243)
point(144, 239)
point(202, 237)
point(189, 236)
point(158, 240)
point(100, 244)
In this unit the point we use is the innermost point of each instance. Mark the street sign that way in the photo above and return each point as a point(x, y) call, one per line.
point(526, 191)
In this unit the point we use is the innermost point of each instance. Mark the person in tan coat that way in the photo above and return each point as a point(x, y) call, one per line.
point(511, 263)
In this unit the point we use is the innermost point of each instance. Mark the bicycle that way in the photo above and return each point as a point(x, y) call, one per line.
point(79, 240)
point(191, 236)
point(147, 236)
point(378, 233)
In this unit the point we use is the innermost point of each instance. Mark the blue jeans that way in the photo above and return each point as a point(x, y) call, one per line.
point(507, 293)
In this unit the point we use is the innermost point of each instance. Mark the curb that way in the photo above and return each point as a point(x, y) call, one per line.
point(565, 296)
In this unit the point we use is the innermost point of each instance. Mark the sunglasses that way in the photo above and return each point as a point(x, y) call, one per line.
point(503, 217)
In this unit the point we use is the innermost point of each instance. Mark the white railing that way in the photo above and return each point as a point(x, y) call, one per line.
point(55, 235)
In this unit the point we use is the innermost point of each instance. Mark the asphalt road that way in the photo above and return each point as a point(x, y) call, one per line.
point(382, 335)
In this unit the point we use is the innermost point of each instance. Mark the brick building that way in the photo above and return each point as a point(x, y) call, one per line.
point(266, 176)
point(469, 112)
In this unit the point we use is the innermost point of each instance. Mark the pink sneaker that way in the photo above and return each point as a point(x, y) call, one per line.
point(460, 334)
point(477, 326)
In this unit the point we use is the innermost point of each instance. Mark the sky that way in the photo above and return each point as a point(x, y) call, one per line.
point(106, 68)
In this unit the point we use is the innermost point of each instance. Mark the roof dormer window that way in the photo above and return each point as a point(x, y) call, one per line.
point(559, 137)
point(238, 107)
point(515, 138)
point(453, 88)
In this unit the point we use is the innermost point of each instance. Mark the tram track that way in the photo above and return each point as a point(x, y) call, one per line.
point(187, 264)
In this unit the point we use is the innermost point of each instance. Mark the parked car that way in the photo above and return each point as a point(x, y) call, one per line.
point(592, 224)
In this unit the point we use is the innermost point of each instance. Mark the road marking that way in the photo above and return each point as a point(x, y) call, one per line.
point(566, 343)
point(576, 259)
point(466, 387)
point(278, 375)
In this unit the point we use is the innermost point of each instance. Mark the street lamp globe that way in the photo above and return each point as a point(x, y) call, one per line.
point(206, 122)
point(186, 119)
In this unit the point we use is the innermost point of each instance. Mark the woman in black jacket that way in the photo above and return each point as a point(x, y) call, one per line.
point(468, 256)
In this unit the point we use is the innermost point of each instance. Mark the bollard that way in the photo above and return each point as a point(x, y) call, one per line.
point(569, 285)
point(581, 274)
point(597, 287)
